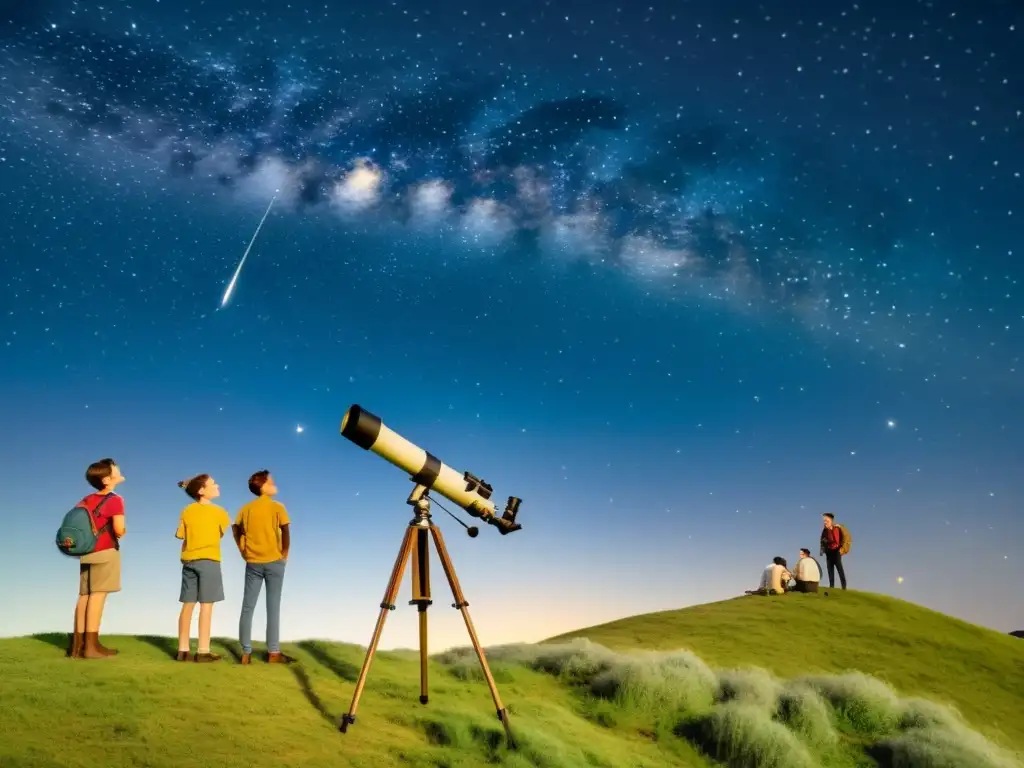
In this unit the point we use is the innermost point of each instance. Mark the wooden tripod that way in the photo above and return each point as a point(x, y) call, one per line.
point(416, 544)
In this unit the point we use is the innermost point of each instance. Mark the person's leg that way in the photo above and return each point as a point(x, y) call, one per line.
point(275, 583)
point(830, 564)
point(211, 590)
point(93, 613)
point(104, 578)
point(205, 620)
point(188, 598)
point(254, 574)
point(839, 568)
point(78, 628)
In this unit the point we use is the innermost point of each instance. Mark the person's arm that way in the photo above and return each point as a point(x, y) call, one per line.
point(180, 533)
point(285, 524)
point(238, 531)
point(116, 516)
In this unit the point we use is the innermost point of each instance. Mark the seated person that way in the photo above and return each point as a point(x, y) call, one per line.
point(774, 579)
point(808, 573)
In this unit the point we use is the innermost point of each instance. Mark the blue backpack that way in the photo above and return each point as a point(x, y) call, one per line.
point(77, 534)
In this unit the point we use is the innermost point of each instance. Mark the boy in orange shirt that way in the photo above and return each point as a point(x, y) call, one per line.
point(262, 533)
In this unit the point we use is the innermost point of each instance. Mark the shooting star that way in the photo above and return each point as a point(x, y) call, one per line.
point(238, 269)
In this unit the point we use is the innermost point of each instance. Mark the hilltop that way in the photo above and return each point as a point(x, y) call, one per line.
point(619, 694)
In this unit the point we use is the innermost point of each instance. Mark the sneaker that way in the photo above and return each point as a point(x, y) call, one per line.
point(205, 657)
point(278, 658)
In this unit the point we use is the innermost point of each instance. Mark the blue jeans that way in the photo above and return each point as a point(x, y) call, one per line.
point(255, 575)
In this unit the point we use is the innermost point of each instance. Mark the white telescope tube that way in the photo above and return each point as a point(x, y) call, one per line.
point(369, 432)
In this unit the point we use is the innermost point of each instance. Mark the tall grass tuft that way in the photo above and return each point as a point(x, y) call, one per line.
point(941, 747)
point(741, 717)
point(864, 704)
point(743, 735)
point(807, 714)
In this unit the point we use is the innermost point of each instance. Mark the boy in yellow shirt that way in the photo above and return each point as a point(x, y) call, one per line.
point(202, 526)
point(262, 533)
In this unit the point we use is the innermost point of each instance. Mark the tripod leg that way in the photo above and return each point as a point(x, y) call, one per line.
point(388, 604)
point(421, 599)
point(462, 606)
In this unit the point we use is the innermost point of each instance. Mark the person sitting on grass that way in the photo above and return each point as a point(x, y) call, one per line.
point(774, 579)
point(808, 573)
point(202, 526)
point(262, 533)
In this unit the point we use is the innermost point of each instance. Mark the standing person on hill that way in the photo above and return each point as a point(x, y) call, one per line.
point(202, 526)
point(99, 571)
point(831, 548)
point(262, 532)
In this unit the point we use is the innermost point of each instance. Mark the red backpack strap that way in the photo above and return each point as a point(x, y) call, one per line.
point(95, 512)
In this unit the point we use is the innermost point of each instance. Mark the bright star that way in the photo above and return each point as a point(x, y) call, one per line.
point(299, 429)
point(891, 423)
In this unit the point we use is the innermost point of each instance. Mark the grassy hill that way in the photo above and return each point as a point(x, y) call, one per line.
point(626, 696)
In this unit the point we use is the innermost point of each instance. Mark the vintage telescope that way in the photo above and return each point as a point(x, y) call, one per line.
point(469, 492)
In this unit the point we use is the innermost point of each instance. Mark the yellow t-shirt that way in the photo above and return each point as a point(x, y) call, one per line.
point(201, 528)
point(260, 521)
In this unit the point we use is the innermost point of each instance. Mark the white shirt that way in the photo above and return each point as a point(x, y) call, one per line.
point(774, 577)
point(807, 570)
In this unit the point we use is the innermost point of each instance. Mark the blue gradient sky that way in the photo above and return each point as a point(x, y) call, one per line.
point(668, 430)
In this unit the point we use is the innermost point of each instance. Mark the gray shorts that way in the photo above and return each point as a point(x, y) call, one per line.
point(201, 582)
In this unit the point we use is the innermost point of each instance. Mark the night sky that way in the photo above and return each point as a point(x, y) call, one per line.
point(680, 275)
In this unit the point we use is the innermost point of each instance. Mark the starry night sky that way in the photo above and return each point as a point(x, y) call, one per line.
point(681, 275)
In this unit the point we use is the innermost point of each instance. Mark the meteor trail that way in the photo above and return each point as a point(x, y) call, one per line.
point(238, 269)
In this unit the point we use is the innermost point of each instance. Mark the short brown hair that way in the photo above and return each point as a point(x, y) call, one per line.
point(99, 471)
point(257, 480)
point(830, 516)
point(194, 486)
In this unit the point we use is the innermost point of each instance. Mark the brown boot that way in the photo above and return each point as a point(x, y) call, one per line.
point(103, 649)
point(90, 648)
point(246, 658)
point(77, 643)
point(278, 658)
point(184, 656)
point(207, 657)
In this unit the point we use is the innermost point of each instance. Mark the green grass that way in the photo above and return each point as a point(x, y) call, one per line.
point(873, 681)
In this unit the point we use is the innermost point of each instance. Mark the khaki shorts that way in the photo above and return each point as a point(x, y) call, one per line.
point(100, 572)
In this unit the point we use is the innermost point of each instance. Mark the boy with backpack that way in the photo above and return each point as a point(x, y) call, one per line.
point(91, 532)
point(835, 542)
